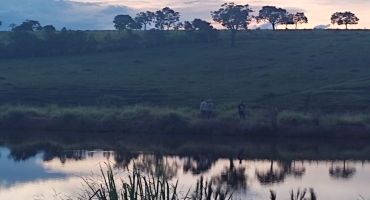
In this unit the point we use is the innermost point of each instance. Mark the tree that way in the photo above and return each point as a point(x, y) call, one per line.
point(122, 22)
point(48, 28)
point(178, 25)
point(204, 30)
point(200, 30)
point(234, 17)
point(12, 26)
point(28, 25)
point(189, 30)
point(287, 20)
point(166, 18)
point(272, 14)
point(346, 18)
point(299, 18)
point(135, 25)
point(145, 18)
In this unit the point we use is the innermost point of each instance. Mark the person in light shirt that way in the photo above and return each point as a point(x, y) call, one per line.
point(203, 108)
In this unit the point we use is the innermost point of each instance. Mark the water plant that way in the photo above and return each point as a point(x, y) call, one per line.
point(137, 187)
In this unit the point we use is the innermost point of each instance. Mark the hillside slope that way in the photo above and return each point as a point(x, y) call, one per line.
point(310, 69)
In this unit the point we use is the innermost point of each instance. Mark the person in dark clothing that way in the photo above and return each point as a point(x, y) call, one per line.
point(241, 109)
point(209, 108)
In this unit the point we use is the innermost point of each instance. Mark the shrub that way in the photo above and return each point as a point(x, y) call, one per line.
point(353, 120)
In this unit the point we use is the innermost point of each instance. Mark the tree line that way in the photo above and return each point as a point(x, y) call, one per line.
point(234, 17)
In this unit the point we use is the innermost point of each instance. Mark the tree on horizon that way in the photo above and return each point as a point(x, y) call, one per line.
point(28, 25)
point(166, 18)
point(123, 22)
point(145, 18)
point(273, 15)
point(234, 17)
point(344, 18)
point(287, 20)
point(299, 18)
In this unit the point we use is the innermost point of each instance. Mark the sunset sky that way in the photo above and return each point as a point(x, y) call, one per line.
point(99, 14)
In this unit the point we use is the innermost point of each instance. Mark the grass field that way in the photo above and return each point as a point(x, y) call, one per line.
point(297, 70)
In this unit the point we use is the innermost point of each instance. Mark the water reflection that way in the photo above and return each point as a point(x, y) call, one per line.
point(199, 164)
point(270, 176)
point(342, 172)
point(58, 169)
point(232, 176)
point(252, 167)
point(283, 169)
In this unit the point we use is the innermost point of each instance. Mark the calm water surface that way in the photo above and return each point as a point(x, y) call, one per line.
point(41, 175)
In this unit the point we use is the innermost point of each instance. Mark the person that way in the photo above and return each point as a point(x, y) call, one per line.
point(209, 108)
point(241, 109)
point(203, 108)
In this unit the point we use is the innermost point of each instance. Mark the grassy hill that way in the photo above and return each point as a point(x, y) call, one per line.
point(312, 69)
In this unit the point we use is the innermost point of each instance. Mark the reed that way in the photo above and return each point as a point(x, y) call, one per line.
point(137, 187)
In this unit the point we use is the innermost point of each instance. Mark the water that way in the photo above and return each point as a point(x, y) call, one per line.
point(45, 174)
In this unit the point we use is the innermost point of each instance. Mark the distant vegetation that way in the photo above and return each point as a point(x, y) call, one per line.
point(31, 39)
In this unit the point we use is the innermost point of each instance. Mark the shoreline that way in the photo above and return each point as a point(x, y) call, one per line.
point(183, 121)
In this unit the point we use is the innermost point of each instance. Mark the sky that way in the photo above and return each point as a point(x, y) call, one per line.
point(99, 14)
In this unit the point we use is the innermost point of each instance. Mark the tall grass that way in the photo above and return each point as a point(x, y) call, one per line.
point(152, 186)
point(138, 187)
point(142, 118)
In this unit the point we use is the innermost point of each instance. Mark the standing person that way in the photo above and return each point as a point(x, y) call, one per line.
point(209, 108)
point(203, 108)
point(241, 109)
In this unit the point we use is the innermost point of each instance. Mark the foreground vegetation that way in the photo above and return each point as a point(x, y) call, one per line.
point(183, 121)
point(156, 186)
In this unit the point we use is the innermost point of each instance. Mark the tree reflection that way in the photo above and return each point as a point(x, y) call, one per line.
point(232, 176)
point(271, 176)
point(198, 165)
point(72, 155)
point(290, 167)
point(284, 168)
point(344, 172)
point(22, 154)
point(122, 159)
point(157, 165)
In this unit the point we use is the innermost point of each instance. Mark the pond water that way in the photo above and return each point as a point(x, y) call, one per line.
point(46, 174)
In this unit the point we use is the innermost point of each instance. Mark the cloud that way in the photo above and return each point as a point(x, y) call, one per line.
point(191, 2)
point(265, 26)
point(322, 26)
point(294, 9)
point(115, 10)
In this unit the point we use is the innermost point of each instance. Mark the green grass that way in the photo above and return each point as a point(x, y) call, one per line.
point(161, 120)
point(297, 70)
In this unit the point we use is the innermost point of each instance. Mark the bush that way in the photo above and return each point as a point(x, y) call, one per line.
point(353, 120)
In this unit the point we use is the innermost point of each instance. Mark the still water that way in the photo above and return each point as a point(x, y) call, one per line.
point(50, 174)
